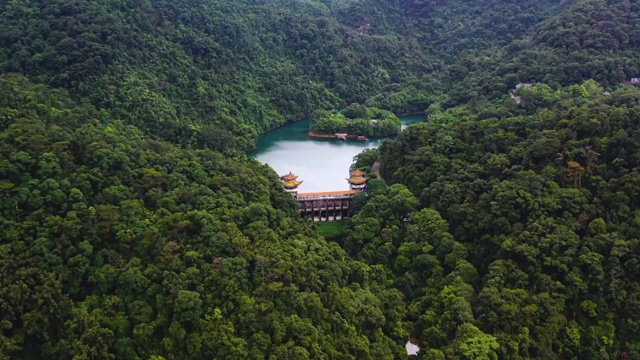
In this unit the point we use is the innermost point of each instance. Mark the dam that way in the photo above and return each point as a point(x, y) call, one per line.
point(325, 205)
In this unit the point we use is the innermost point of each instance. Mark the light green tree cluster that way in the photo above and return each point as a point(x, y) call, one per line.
point(356, 119)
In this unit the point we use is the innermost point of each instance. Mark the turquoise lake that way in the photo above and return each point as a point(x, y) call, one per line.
point(322, 164)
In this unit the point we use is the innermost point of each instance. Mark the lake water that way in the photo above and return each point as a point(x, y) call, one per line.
point(323, 164)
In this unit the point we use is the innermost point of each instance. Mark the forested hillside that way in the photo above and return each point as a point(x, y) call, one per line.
point(517, 237)
point(198, 71)
point(133, 226)
point(590, 40)
point(486, 48)
point(220, 73)
point(117, 246)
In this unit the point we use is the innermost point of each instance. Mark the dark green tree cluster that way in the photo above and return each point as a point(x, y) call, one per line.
point(469, 47)
point(589, 40)
point(514, 237)
point(132, 228)
point(429, 266)
point(219, 73)
point(118, 246)
point(356, 119)
point(216, 73)
point(478, 51)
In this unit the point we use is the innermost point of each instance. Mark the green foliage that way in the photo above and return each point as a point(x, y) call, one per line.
point(370, 122)
point(212, 74)
point(587, 40)
point(118, 246)
point(366, 159)
point(325, 122)
point(529, 217)
point(331, 229)
point(133, 228)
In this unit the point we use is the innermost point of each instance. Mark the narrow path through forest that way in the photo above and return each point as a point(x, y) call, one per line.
point(376, 169)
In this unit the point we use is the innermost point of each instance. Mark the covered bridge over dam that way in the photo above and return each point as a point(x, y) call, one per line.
point(326, 206)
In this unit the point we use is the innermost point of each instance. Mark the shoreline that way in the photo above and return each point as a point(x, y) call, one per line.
point(411, 113)
point(328, 136)
point(274, 127)
point(324, 136)
point(313, 134)
point(287, 122)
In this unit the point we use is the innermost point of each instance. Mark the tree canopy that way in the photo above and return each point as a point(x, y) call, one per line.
point(356, 119)
point(134, 226)
point(514, 237)
point(118, 246)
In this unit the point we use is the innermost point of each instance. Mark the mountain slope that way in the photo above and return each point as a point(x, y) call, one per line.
point(134, 228)
point(201, 72)
point(117, 246)
point(589, 40)
point(526, 227)
point(187, 70)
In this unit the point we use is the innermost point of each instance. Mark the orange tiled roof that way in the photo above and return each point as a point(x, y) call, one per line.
point(357, 173)
point(291, 184)
point(358, 180)
point(289, 177)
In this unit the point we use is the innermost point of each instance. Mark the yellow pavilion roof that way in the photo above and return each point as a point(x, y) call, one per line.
point(291, 184)
point(289, 177)
point(357, 173)
point(358, 180)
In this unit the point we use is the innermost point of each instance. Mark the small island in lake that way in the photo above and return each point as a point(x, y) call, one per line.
point(355, 121)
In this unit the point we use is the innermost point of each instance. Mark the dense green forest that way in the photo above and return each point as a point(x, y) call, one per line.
point(212, 72)
point(518, 235)
point(118, 246)
point(220, 73)
point(356, 119)
point(133, 226)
